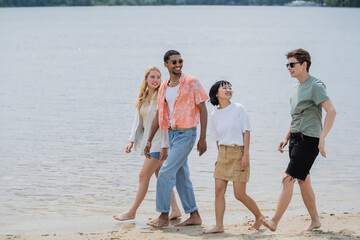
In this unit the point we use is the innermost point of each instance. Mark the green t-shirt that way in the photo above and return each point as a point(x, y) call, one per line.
point(306, 109)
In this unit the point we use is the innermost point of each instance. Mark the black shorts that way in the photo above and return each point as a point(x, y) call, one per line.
point(303, 151)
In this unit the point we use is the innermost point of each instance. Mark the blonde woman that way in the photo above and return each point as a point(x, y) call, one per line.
point(145, 112)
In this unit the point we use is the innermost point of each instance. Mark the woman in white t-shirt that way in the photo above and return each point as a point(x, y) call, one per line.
point(145, 112)
point(230, 128)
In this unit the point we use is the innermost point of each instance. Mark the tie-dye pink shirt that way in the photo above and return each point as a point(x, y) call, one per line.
point(186, 112)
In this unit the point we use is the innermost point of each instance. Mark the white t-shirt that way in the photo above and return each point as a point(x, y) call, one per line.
point(228, 125)
point(170, 96)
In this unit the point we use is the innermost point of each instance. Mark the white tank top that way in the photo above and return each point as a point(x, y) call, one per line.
point(170, 96)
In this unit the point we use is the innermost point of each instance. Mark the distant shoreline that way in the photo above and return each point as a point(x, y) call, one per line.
point(73, 3)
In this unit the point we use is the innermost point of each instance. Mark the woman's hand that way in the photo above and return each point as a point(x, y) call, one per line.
point(163, 154)
point(245, 161)
point(147, 149)
point(129, 147)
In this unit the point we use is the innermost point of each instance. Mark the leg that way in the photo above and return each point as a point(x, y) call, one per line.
point(308, 197)
point(149, 167)
point(175, 211)
point(240, 194)
point(283, 203)
point(167, 175)
point(187, 196)
point(220, 204)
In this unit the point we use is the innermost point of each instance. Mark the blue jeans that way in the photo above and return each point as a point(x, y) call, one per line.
point(175, 172)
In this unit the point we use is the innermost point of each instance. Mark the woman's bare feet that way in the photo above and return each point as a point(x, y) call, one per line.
point(257, 224)
point(175, 214)
point(161, 221)
point(124, 216)
point(269, 224)
point(313, 225)
point(216, 229)
point(194, 219)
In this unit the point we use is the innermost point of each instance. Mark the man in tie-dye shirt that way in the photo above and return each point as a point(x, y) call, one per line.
point(181, 105)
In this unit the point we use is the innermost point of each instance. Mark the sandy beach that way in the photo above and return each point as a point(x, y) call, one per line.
point(344, 226)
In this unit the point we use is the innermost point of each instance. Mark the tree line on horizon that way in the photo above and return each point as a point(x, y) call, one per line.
point(48, 3)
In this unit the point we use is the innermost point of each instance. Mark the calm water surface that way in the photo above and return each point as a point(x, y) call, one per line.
point(69, 78)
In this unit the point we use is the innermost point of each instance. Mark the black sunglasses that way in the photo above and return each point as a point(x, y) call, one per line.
point(180, 61)
point(292, 64)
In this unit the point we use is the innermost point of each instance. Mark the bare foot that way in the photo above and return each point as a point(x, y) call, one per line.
point(215, 229)
point(313, 225)
point(174, 215)
point(124, 216)
point(257, 224)
point(160, 222)
point(194, 219)
point(269, 224)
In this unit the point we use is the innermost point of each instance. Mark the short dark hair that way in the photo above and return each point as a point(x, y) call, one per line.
point(169, 53)
point(214, 90)
point(301, 55)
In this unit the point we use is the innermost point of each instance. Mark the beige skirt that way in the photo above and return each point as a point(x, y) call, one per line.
point(228, 164)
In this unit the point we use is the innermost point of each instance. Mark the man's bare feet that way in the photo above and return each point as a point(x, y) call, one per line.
point(216, 229)
point(174, 214)
point(313, 225)
point(161, 221)
point(194, 219)
point(124, 216)
point(269, 224)
point(257, 224)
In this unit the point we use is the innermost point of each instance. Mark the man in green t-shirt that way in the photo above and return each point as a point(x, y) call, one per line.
point(306, 135)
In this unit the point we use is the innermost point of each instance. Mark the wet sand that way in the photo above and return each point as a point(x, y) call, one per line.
point(344, 226)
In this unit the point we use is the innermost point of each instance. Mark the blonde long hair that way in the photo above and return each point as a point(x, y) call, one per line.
point(144, 89)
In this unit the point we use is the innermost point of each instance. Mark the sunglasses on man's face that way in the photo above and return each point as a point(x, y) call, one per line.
point(292, 64)
point(174, 62)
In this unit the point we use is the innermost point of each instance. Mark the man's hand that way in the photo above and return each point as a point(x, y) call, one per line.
point(201, 146)
point(322, 146)
point(163, 154)
point(245, 161)
point(282, 144)
point(147, 149)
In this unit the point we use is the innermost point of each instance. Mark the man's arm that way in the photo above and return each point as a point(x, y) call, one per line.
point(283, 143)
point(153, 129)
point(201, 146)
point(328, 123)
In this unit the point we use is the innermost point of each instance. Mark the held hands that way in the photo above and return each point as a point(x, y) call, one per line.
point(282, 144)
point(322, 146)
point(245, 161)
point(147, 149)
point(163, 154)
point(201, 146)
point(129, 147)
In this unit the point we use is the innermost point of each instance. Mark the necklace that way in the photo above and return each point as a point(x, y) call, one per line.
point(173, 83)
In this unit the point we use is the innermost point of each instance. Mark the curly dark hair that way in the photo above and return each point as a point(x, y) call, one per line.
point(169, 53)
point(214, 90)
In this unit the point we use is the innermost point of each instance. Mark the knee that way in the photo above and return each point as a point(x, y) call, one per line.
point(144, 177)
point(219, 192)
point(288, 180)
point(240, 196)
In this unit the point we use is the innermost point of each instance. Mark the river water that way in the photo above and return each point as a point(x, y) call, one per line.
point(69, 77)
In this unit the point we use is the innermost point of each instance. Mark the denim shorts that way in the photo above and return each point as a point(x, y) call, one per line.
point(155, 155)
point(303, 151)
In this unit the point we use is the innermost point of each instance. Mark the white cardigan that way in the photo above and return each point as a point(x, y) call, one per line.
point(139, 137)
